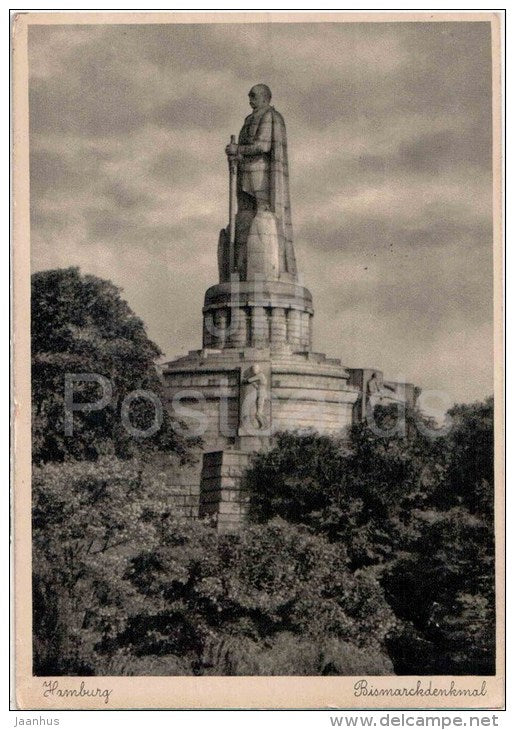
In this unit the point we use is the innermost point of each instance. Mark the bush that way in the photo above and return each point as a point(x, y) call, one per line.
point(89, 520)
point(227, 598)
point(288, 654)
point(122, 586)
point(412, 508)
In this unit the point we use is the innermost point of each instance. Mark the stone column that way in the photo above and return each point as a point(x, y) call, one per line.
point(304, 330)
point(207, 331)
point(237, 332)
point(220, 324)
point(259, 327)
point(294, 328)
point(278, 331)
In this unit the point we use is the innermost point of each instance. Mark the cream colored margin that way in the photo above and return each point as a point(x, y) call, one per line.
point(219, 692)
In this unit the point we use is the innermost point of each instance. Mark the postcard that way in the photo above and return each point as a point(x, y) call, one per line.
point(258, 366)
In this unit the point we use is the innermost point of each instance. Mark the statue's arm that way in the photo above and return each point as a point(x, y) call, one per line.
point(263, 140)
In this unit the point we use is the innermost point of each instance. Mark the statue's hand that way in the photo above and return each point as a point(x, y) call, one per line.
point(231, 150)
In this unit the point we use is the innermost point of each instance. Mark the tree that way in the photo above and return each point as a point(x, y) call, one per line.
point(443, 590)
point(298, 478)
point(416, 507)
point(80, 324)
point(359, 491)
point(448, 570)
point(121, 586)
point(257, 603)
point(88, 519)
point(470, 459)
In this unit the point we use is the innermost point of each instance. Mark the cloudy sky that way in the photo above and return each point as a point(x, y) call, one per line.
point(389, 134)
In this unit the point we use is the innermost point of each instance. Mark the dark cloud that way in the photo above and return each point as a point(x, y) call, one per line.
point(104, 224)
point(47, 222)
point(73, 170)
point(436, 152)
point(188, 47)
point(50, 171)
point(114, 226)
point(96, 104)
point(443, 155)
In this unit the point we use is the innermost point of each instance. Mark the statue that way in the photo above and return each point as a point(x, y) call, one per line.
point(377, 389)
point(254, 401)
point(258, 165)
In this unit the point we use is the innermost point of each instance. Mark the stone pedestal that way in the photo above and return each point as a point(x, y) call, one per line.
point(221, 496)
point(209, 391)
point(258, 313)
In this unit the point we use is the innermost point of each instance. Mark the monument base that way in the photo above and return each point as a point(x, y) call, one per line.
point(237, 399)
point(222, 499)
point(212, 392)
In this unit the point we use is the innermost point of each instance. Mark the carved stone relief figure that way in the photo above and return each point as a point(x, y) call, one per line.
point(255, 387)
point(377, 390)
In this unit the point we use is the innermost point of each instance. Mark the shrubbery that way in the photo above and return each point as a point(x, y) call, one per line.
point(122, 585)
point(417, 509)
point(89, 518)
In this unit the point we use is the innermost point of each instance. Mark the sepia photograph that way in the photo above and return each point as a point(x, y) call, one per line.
point(259, 365)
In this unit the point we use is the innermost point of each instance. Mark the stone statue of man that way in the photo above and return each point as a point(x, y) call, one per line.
point(262, 176)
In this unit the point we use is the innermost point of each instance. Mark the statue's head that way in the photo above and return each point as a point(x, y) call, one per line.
point(259, 96)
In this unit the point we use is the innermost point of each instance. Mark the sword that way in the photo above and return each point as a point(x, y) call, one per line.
point(233, 165)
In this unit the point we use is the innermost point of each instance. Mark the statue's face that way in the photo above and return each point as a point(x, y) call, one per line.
point(257, 98)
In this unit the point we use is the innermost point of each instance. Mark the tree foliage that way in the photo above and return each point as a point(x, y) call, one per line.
point(416, 506)
point(88, 520)
point(80, 324)
point(344, 581)
point(122, 586)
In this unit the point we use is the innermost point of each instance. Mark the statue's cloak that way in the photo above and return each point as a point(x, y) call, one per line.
point(274, 164)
